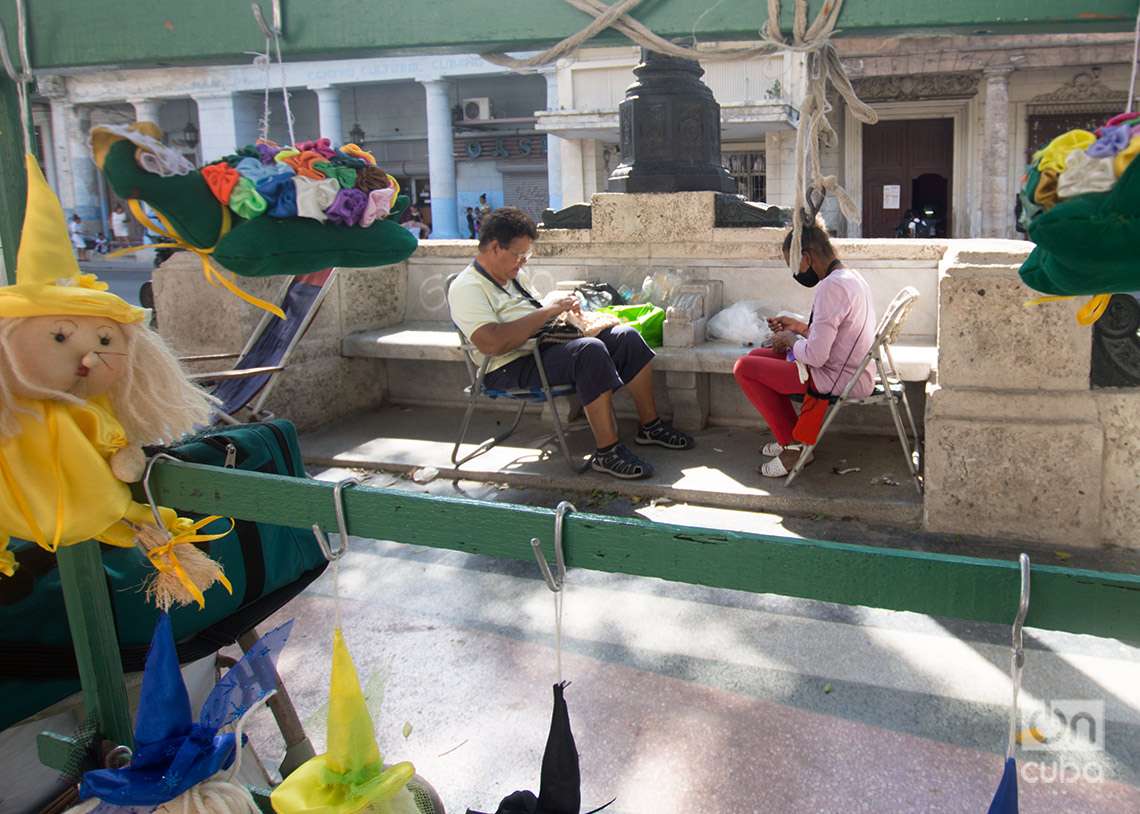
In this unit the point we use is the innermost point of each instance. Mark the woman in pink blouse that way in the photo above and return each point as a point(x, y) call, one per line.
point(830, 345)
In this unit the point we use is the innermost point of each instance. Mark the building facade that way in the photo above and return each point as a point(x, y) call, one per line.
point(958, 119)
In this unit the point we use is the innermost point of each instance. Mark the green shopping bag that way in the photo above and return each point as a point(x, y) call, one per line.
point(648, 320)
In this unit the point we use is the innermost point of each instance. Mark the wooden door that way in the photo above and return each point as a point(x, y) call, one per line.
point(906, 163)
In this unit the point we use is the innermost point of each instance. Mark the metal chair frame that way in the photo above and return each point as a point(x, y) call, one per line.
point(477, 390)
point(890, 389)
point(254, 409)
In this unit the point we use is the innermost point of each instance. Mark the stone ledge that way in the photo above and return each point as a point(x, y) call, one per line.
point(438, 342)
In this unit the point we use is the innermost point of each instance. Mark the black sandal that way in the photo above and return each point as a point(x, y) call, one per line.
point(621, 463)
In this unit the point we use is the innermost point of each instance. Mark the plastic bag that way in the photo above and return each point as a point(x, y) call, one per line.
point(741, 322)
point(648, 320)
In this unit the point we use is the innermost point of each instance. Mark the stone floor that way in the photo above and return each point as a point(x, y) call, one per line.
point(690, 699)
point(720, 471)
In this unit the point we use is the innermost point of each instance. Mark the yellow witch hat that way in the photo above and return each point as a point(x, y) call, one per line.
point(350, 775)
point(48, 279)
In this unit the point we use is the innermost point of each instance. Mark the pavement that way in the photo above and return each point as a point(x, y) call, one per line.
point(124, 275)
point(686, 698)
point(719, 472)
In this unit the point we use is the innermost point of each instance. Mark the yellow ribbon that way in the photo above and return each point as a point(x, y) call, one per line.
point(1090, 312)
point(165, 561)
point(212, 275)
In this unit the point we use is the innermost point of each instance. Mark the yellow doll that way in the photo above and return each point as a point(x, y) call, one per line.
point(84, 384)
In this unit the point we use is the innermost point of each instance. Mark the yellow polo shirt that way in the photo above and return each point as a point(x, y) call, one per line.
point(476, 301)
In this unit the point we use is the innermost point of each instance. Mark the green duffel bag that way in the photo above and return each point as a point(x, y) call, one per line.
point(267, 565)
point(648, 320)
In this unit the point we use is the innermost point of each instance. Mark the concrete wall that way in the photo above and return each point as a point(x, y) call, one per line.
point(1016, 442)
point(319, 385)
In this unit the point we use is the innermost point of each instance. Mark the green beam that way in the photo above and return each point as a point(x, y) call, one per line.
point(92, 625)
point(13, 189)
point(1078, 601)
point(65, 33)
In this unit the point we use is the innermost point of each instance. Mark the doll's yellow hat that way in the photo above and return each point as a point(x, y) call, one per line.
point(351, 775)
point(48, 279)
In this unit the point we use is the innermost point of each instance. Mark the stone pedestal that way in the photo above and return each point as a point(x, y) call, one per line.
point(319, 385)
point(1014, 443)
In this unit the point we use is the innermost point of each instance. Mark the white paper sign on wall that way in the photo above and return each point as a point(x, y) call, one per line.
point(892, 194)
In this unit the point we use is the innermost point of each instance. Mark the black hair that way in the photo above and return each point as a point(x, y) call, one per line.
point(504, 225)
point(813, 239)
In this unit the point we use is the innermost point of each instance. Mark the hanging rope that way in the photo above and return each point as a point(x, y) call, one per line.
point(1135, 60)
point(824, 66)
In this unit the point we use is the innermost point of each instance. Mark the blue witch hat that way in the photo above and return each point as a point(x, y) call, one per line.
point(172, 752)
point(1005, 798)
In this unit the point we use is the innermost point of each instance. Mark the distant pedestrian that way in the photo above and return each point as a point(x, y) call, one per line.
point(120, 229)
point(78, 239)
point(101, 246)
point(471, 222)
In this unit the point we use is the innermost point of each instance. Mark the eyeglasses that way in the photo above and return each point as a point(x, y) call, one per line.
point(521, 257)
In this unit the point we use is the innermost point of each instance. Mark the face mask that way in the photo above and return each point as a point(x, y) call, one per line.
point(807, 278)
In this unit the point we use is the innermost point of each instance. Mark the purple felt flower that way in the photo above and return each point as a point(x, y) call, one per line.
point(1112, 140)
point(348, 207)
point(267, 152)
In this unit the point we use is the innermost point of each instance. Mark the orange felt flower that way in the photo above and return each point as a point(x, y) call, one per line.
point(302, 163)
point(221, 178)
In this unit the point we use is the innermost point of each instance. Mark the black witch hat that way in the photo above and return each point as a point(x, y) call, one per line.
point(560, 785)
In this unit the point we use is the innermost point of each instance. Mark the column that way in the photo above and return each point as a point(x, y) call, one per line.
point(996, 201)
point(441, 160)
point(146, 110)
point(573, 189)
point(64, 183)
point(328, 114)
point(42, 118)
point(83, 171)
point(553, 146)
point(217, 125)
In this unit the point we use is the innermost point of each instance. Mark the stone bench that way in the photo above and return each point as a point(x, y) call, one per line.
point(683, 367)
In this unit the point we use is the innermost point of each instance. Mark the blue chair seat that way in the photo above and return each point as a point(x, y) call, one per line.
point(532, 394)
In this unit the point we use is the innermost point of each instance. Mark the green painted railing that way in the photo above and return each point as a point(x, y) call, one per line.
point(1066, 599)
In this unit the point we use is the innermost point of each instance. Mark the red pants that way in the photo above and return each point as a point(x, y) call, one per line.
point(767, 378)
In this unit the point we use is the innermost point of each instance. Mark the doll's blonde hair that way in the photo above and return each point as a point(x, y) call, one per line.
point(154, 401)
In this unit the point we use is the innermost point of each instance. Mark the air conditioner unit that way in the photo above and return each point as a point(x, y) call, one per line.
point(477, 109)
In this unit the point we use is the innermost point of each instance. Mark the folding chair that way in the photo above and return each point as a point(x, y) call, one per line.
point(889, 388)
point(248, 384)
point(523, 395)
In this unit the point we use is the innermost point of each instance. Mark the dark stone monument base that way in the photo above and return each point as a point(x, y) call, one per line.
point(574, 216)
point(732, 212)
point(638, 178)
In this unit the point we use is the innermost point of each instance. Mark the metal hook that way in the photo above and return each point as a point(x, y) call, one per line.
point(554, 583)
point(270, 32)
point(1022, 611)
point(159, 456)
point(341, 523)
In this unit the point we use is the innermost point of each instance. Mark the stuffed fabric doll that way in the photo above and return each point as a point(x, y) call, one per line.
point(351, 777)
point(179, 765)
point(84, 384)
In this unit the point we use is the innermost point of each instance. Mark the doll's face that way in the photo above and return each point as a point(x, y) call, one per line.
point(83, 356)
